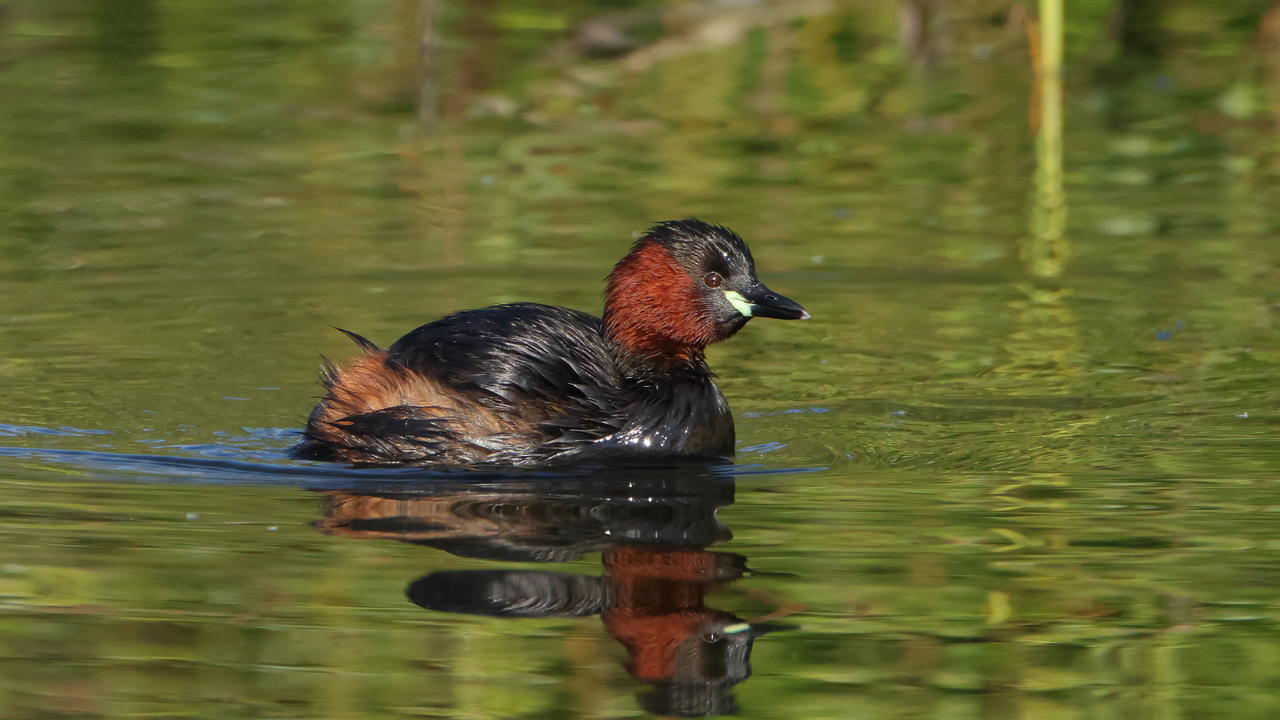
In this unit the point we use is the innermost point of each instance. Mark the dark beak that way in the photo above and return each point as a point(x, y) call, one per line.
point(767, 303)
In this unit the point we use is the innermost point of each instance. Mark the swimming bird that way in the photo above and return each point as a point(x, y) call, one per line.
point(526, 384)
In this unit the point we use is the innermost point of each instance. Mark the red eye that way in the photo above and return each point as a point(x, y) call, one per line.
point(712, 280)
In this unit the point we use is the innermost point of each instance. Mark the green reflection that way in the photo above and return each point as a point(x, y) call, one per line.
point(1049, 439)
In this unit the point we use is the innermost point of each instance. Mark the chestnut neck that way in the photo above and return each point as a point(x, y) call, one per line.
point(652, 310)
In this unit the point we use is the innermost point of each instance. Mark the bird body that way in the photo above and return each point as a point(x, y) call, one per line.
point(529, 384)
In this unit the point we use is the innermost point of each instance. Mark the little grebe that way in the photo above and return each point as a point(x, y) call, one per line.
point(530, 384)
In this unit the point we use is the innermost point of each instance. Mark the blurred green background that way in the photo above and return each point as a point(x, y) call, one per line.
point(1021, 464)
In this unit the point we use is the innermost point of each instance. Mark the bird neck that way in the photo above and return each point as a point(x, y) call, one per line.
point(651, 309)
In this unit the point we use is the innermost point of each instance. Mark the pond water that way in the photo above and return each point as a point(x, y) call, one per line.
point(1022, 463)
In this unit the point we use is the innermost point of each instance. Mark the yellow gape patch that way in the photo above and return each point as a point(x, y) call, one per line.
point(738, 302)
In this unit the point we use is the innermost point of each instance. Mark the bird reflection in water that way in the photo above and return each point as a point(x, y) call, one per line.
point(652, 534)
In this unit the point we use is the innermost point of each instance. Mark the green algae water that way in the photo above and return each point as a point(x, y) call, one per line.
point(1024, 461)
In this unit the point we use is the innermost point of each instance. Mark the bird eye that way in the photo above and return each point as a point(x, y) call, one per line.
point(711, 636)
point(713, 280)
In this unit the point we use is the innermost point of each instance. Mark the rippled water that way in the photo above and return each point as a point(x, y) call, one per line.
point(1022, 462)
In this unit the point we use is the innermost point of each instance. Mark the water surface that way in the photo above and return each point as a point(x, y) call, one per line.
point(1021, 463)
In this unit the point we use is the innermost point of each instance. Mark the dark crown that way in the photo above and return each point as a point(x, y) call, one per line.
point(696, 244)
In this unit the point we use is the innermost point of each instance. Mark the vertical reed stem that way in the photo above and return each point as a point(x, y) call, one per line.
point(1047, 251)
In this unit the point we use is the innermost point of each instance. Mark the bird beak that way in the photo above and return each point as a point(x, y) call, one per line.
point(760, 301)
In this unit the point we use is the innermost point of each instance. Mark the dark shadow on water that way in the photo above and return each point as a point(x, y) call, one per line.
point(226, 469)
point(652, 530)
point(652, 527)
